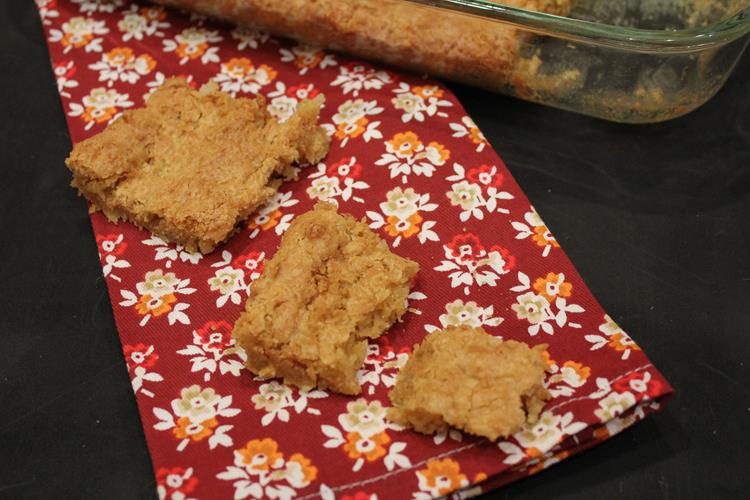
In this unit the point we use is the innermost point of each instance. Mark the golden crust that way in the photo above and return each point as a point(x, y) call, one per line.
point(332, 284)
point(192, 165)
point(398, 32)
point(468, 379)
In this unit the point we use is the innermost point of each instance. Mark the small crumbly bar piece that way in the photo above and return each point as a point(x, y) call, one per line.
point(465, 378)
point(193, 164)
point(332, 284)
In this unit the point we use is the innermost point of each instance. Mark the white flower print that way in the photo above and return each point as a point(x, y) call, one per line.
point(159, 295)
point(546, 304)
point(229, 282)
point(174, 484)
point(80, 32)
point(239, 74)
point(477, 189)
point(360, 76)
point(467, 128)
point(64, 71)
point(339, 180)
point(278, 401)
point(193, 44)
point(363, 417)
point(272, 216)
point(367, 437)
point(324, 188)
point(121, 64)
point(614, 405)
point(249, 38)
point(110, 247)
point(213, 349)
point(196, 416)
point(100, 106)
point(351, 121)
point(459, 313)
point(140, 358)
point(282, 108)
point(535, 228)
point(541, 436)
point(47, 10)
point(563, 380)
point(406, 154)
point(171, 253)
point(402, 216)
point(139, 22)
point(381, 366)
point(91, 6)
point(260, 470)
point(418, 101)
point(307, 57)
point(469, 263)
point(614, 337)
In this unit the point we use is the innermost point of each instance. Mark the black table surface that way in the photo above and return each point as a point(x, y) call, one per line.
point(656, 219)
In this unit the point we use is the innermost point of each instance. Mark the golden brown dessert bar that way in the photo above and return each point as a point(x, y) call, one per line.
point(468, 379)
point(193, 164)
point(332, 284)
point(398, 32)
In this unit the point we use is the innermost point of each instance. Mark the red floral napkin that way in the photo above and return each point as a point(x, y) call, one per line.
point(407, 159)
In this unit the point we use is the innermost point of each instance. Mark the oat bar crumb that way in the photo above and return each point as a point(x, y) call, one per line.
point(331, 285)
point(465, 378)
point(193, 164)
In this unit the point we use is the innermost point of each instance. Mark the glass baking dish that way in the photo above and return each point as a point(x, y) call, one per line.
point(635, 61)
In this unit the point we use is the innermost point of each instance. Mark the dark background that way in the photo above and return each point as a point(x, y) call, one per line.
point(656, 218)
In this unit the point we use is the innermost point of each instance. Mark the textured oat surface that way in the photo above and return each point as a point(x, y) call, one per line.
point(429, 40)
point(191, 165)
point(468, 379)
point(332, 284)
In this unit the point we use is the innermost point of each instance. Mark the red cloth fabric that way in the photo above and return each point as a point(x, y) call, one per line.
point(407, 159)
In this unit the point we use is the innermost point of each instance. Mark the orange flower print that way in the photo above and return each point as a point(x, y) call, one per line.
point(621, 342)
point(370, 448)
point(238, 66)
point(351, 129)
point(193, 43)
point(476, 136)
point(548, 359)
point(303, 468)
point(259, 455)
point(543, 237)
point(155, 306)
point(239, 74)
point(191, 50)
point(187, 429)
point(94, 114)
point(76, 40)
point(122, 64)
point(100, 105)
point(439, 153)
point(441, 477)
point(403, 227)
point(427, 91)
point(306, 57)
point(78, 32)
point(119, 56)
point(404, 144)
point(553, 286)
point(581, 371)
point(153, 13)
point(265, 221)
